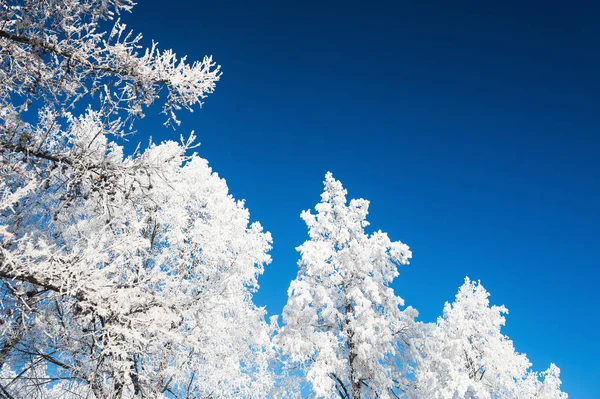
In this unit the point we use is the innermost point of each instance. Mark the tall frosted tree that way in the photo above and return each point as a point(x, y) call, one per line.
point(343, 325)
point(120, 275)
point(465, 355)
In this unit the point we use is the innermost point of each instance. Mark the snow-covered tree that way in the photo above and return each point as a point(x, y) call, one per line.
point(129, 274)
point(465, 355)
point(343, 325)
point(121, 276)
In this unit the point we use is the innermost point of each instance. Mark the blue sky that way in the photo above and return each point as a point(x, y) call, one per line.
point(473, 129)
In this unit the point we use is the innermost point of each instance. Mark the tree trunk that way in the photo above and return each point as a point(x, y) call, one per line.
point(354, 380)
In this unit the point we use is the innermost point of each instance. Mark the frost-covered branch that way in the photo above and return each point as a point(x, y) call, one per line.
point(57, 53)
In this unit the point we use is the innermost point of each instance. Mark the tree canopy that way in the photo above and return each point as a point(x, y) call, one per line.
point(131, 274)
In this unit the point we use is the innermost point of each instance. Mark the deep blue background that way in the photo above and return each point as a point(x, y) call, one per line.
point(473, 128)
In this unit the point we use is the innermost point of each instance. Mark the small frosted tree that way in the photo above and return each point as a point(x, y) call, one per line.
point(465, 355)
point(343, 325)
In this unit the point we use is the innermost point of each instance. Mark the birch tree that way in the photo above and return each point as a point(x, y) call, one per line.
point(342, 324)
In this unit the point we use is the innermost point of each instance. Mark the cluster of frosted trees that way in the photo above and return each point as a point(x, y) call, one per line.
point(130, 275)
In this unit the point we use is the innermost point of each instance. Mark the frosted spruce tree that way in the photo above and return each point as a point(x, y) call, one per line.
point(342, 325)
point(121, 275)
point(465, 355)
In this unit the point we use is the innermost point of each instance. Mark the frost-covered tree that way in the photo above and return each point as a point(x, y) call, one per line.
point(465, 355)
point(343, 325)
point(149, 290)
point(120, 275)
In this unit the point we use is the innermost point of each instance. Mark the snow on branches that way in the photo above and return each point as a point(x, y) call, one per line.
point(121, 276)
point(131, 275)
point(56, 51)
point(344, 331)
point(130, 272)
point(343, 322)
point(465, 355)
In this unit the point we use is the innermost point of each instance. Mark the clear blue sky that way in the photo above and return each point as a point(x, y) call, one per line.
point(473, 129)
